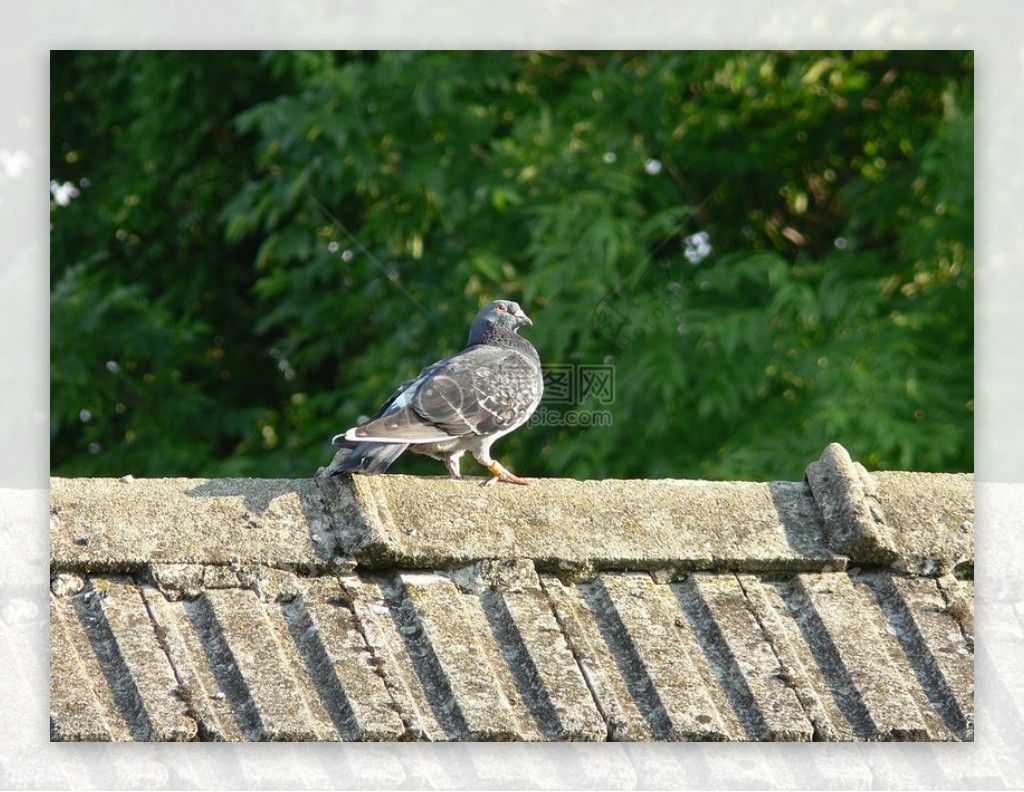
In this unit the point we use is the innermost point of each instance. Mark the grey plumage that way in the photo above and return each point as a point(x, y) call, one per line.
point(459, 404)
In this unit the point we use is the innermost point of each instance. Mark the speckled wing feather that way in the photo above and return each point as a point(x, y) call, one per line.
point(483, 390)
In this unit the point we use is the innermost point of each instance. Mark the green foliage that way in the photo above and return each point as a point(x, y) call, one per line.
point(772, 250)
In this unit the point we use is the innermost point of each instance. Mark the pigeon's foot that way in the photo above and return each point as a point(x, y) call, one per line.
point(501, 473)
point(451, 461)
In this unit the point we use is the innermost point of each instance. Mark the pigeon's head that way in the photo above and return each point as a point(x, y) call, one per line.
point(501, 317)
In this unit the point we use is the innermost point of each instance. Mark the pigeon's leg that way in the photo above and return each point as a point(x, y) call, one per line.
point(501, 473)
point(452, 462)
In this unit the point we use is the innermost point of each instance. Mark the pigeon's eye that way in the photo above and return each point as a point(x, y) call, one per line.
point(500, 307)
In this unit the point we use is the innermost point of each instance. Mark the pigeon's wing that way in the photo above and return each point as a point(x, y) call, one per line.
point(483, 390)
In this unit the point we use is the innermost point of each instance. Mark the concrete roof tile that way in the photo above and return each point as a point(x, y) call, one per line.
point(931, 520)
point(698, 658)
point(340, 663)
point(920, 523)
point(542, 664)
point(959, 595)
point(943, 661)
point(112, 525)
point(597, 653)
point(850, 639)
point(448, 636)
point(257, 669)
point(370, 603)
point(404, 608)
point(747, 668)
point(800, 670)
point(186, 650)
point(845, 493)
point(146, 690)
point(75, 712)
point(562, 524)
point(660, 657)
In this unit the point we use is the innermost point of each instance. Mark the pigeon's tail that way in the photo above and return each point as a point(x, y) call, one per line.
point(367, 458)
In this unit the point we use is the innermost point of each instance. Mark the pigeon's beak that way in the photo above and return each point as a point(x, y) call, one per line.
point(522, 317)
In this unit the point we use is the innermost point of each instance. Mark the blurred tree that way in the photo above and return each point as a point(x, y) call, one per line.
point(769, 250)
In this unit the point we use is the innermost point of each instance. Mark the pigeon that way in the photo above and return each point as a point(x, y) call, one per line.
point(462, 403)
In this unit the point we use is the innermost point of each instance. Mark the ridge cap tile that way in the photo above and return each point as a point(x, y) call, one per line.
point(564, 524)
point(840, 515)
point(855, 523)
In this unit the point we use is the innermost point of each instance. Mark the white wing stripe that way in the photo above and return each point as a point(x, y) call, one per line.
point(353, 437)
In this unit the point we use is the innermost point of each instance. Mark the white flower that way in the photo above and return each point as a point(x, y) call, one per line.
point(653, 167)
point(698, 247)
point(63, 193)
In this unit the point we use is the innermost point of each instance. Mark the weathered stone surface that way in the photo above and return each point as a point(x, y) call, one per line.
point(396, 607)
point(851, 643)
point(799, 667)
point(931, 520)
point(340, 663)
point(921, 523)
point(959, 596)
point(114, 526)
point(148, 690)
point(935, 645)
point(507, 656)
point(661, 659)
point(562, 524)
point(66, 584)
point(393, 660)
point(854, 521)
point(448, 636)
point(75, 713)
point(540, 660)
point(598, 663)
point(179, 580)
point(746, 665)
point(192, 650)
point(257, 671)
